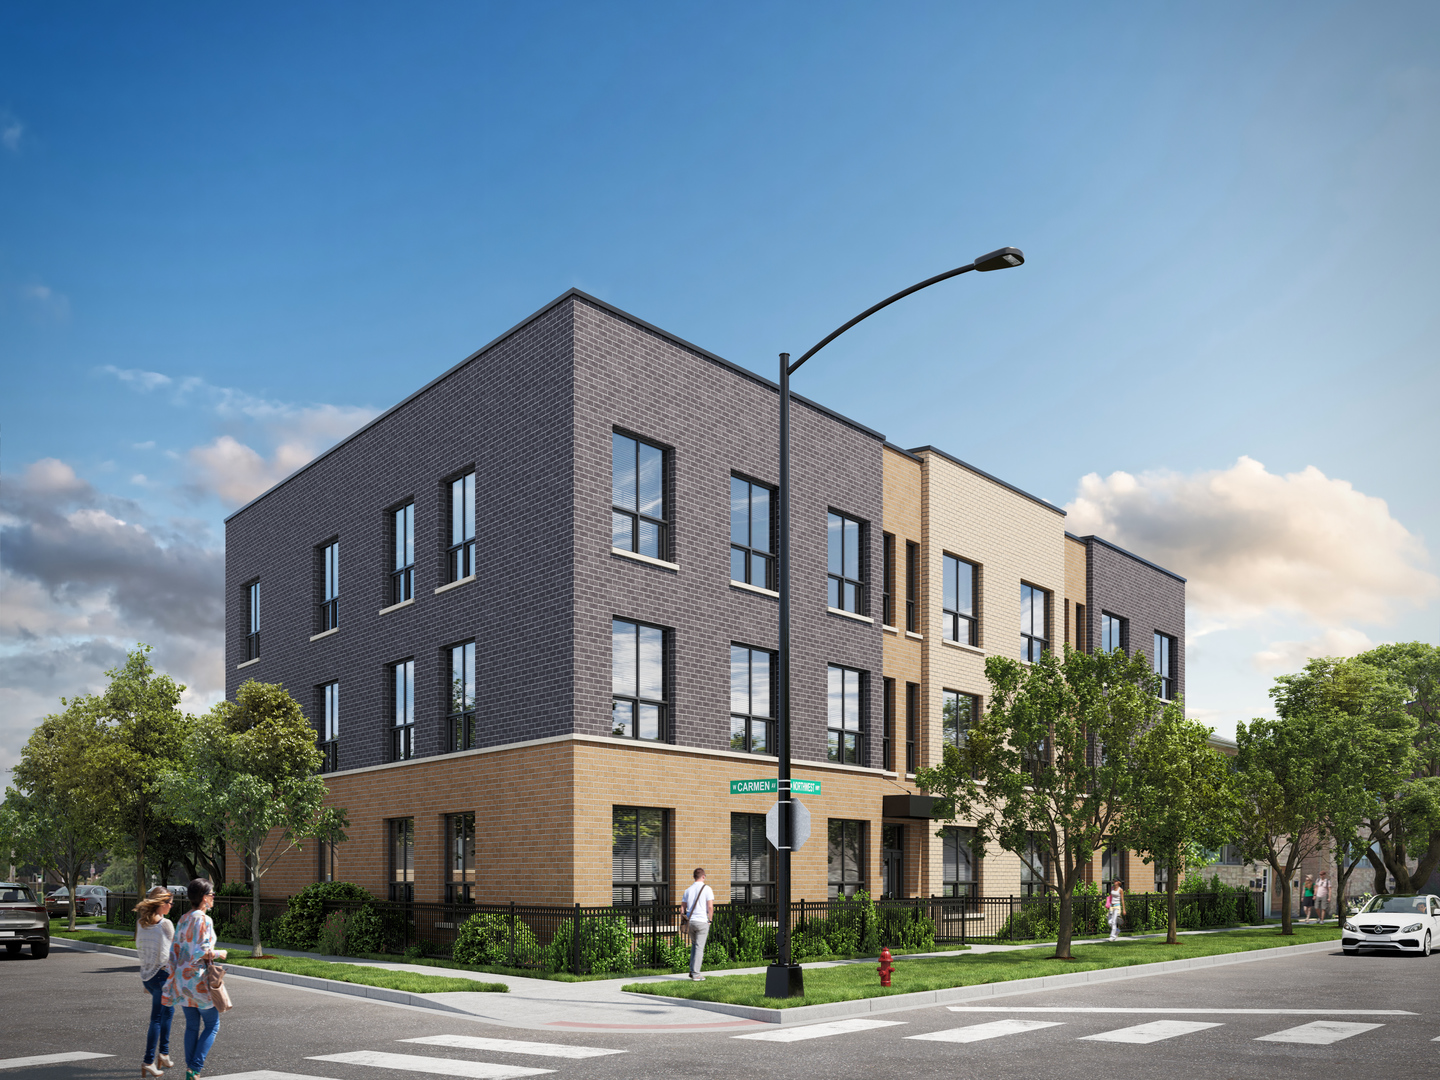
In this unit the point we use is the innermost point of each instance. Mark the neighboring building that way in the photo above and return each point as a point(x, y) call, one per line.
point(532, 611)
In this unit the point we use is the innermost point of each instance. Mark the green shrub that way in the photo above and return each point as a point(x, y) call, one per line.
point(331, 940)
point(485, 939)
point(742, 937)
point(1037, 919)
point(233, 888)
point(907, 930)
point(365, 932)
point(606, 945)
point(305, 915)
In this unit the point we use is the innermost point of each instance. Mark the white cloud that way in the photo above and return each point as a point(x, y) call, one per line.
point(145, 380)
point(1291, 655)
point(46, 301)
point(10, 131)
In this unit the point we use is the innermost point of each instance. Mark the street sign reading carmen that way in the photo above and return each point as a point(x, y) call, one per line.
point(770, 785)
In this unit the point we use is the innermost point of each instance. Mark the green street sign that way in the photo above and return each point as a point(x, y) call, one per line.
point(754, 787)
point(805, 787)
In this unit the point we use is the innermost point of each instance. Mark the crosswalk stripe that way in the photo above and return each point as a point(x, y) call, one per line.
point(993, 1030)
point(264, 1074)
point(470, 1070)
point(514, 1046)
point(1138, 1011)
point(1320, 1033)
point(818, 1031)
point(1155, 1031)
point(48, 1059)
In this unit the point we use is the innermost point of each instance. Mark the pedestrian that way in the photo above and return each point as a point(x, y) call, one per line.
point(698, 908)
point(1322, 895)
point(1115, 907)
point(154, 934)
point(190, 958)
point(1307, 899)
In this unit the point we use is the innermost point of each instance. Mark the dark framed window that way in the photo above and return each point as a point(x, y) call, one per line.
point(892, 861)
point(752, 860)
point(1082, 632)
point(887, 579)
point(846, 715)
point(329, 614)
point(912, 723)
point(1165, 664)
point(887, 735)
point(1114, 633)
point(752, 533)
point(1162, 877)
point(640, 855)
point(252, 630)
point(461, 716)
point(959, 714)
point(960, 873)
point(846, 565)
point(912, 587)
point(1034, 866)
point(752, 700)
point(846, 857)
point(637, 656)
point(330, 727)
point(327, 866)
point(637, 482)
point(402, 566)
point(959, 601)
point(460, 858)
point(402, 732)
point(400, 840)
point(462, 527)
point(1034, 618)
point(1112, 867)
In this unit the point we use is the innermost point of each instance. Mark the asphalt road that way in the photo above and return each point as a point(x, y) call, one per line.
point(1378, 1014)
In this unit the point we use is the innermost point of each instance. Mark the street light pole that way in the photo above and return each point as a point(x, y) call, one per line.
point(784, 978)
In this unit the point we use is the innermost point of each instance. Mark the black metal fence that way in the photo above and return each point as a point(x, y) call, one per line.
point(591, 940)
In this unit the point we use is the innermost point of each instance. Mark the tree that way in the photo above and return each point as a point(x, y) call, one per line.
point(250, 774)
point(66, 788)
point(1048, 769)
point(1181, 798)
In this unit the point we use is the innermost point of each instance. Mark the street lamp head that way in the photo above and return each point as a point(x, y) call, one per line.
point(1000, 260)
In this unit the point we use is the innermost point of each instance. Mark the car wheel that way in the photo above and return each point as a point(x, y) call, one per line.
point(1426, 950)
point(40, 949)
point(13, 948)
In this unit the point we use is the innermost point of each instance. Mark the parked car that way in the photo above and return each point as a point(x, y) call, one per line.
point(23, 920)
point(1409, 924)
point(89, 900)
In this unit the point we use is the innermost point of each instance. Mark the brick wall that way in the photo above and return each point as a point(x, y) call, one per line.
point(1149, 597)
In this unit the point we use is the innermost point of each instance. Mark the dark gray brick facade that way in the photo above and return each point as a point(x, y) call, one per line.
point(1149, 597)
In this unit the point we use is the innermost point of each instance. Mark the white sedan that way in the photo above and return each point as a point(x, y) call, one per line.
point(1395, 924)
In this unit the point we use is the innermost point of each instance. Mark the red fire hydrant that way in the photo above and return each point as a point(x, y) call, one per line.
point(885, 968)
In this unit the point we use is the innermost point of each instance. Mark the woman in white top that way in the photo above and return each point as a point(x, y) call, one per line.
point(1115, 905)
point(153, 935)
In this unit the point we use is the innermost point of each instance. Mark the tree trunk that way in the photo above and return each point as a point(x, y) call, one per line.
point(1286, 923)
point(1173, 903)
point(251, 861)
point(140, 859)
point(1380, 871)
point(1066, 929)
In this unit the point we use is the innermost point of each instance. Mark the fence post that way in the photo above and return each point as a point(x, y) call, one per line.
point(575, 944)
point(512, 933)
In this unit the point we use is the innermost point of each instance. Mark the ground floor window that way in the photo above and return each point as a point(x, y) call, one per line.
point(460, 858)
point(640, 855)
point(1034, 866)
point(960, 868)
point(892, 862)
point(752, 860)
point(846, 857)
point(402, 858)
point(1112, 867)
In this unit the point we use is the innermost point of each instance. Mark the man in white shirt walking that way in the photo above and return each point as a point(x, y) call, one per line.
point(698, 908)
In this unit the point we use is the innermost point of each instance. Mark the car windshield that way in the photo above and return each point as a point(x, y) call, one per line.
point(1397, 905)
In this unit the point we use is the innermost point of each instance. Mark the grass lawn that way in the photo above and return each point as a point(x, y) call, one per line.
point(854, 981)
point(543, 973)
point(97, 937)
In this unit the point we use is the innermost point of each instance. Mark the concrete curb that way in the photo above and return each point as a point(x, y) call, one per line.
point(309, 982)
point(804, 1014)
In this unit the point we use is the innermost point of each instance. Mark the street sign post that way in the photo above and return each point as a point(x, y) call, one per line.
point(799, 825)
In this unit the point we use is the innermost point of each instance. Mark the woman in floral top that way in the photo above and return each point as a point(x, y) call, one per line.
point(194, 946)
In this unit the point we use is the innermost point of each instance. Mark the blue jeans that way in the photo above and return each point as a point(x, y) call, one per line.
point(197, 1038)
point(160, 1017)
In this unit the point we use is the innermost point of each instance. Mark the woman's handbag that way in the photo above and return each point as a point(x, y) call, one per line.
point(214, 983)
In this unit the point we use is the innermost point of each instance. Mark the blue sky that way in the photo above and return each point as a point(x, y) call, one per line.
point(229, 237)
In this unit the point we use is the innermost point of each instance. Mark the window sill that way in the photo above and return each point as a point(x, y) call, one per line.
point(889, 629)
point(672, 567)
point(964, 647)
point(850, 615)
point(455, 584)
point(247, 663)
point(397, 607)
point(914, 636)
point(753, 588)
point(325, 633)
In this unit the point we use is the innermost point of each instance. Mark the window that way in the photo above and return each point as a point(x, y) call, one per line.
point(887, 736)
point(912, 719)
point(960, 872)
point(847, 588)
point(330, 728)
point(752, 709)
point(1082, 632)
point(1162, 877)
point(1165, 664)
point(752, 538)
point(846, 857)
point(637, 481)
point(959, 715)
point(401, 843)
point(912, 587)
point(1113, 632)
point(252, 633)
point(887, 607)
point(1033, 612)
point(1034, 865)
point(959, 602)
point(1112, 867)
point(402, 574)
point(638, 680)
point(402, 735)
point(327, 866)
point(462, 527)
point(845, 714)
point(640, 849)
point(329, 586)
point(460, 858)
point(1230, 855)
point(461, 719)
point(892, 862)
point(752, 860)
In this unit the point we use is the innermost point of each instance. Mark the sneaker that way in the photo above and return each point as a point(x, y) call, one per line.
point(698, 978)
